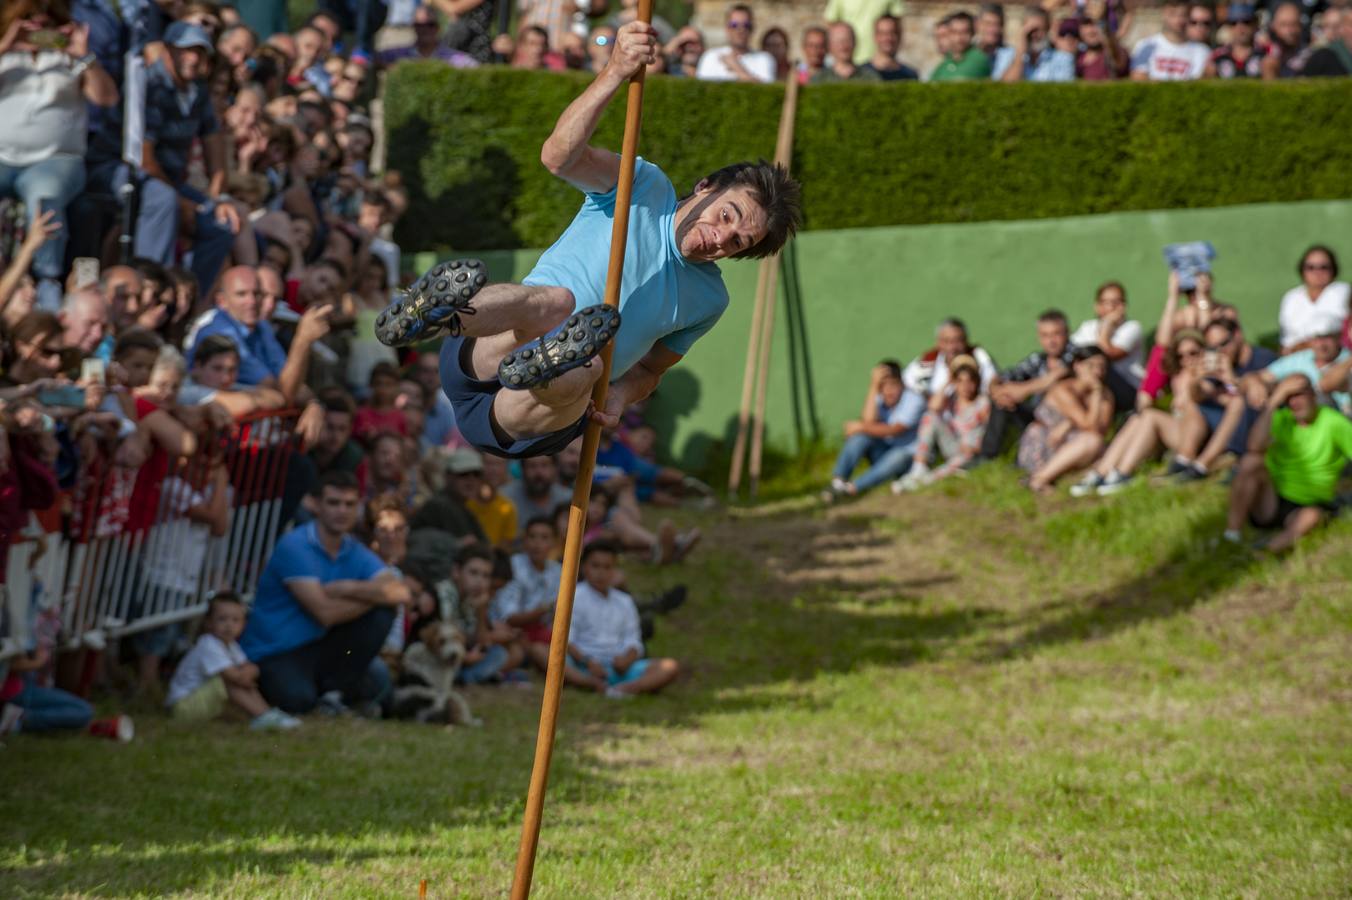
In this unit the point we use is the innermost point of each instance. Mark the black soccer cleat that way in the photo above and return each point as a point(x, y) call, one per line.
point(575, 343)
point(432, 305)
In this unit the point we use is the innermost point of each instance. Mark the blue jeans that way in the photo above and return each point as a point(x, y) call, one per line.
point(50, 184)
point(495, 657)
point(885, 462)
point(157, 223)
point(50, 709)
point(339, 661)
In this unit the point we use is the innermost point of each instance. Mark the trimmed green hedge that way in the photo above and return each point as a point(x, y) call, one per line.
point(468, 143)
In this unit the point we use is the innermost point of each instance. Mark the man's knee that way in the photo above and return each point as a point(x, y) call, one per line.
point(1252, 465)
point(559, 301)
point(288, 690)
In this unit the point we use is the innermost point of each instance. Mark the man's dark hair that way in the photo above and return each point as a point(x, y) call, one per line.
point(534, 29)
point(815, 29)
point(337, 479)
point(1318, 248)
point(994, 9)
point(328, 262)
point(238, 26)
point(739, 8)
point(335, 399)
point(149, 270)
point(778, 194)
point(893, 368)
point(1037, 12)
point(1053, 316)
point(886, 17)
point(136, 339)
point(474, 551)
point(226, 596)
point(383, 369)
point(1121, 289)
point(962, 17)
point(322, 14)
point(953, 322)
point(212, 346)
point(542, 522)
point(1230, 326)
point(601, 546)
point(314, 106)
point(1082, 353)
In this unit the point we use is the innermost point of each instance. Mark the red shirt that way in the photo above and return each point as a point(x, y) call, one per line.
point(370, 422)
point(145, 494)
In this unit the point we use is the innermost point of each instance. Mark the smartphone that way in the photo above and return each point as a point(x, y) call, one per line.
point(94, 369)
point(65, 395)
point(48, 39)
point(86, 271)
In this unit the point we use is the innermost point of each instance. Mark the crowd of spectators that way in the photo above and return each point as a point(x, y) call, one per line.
point(863, 41)
point(1105, 399)
point(207, 245)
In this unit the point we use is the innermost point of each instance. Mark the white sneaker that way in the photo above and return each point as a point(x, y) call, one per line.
point(614, 693)
point(838, 485)
point(274, 720)
point(11, 719)
point(1086, 485)
point(1114, 483)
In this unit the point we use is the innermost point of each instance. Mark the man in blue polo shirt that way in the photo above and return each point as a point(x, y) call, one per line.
point(324, 606)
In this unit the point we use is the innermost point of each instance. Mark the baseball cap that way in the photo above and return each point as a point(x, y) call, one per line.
point(1240, 12)
point(185, 34)
point(463, 460)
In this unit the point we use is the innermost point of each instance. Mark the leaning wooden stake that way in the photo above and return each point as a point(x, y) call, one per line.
point(577, 514)
point(770, 279)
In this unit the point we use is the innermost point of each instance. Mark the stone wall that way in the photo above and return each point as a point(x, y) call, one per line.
point(918, 23)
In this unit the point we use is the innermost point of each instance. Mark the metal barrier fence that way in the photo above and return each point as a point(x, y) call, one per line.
point(108, 573)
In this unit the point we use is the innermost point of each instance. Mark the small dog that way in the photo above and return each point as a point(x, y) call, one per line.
point(426, 689)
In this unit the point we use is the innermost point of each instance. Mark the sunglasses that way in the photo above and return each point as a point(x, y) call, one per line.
point(1244, 21)
point(1318, 267)
point(740, 26)
point(1189, 354)
point(1200, 22)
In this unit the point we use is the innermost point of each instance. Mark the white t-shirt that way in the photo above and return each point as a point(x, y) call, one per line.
point(604, 626)
point(1299, 319)
point(209, 657)
point(1128, 336)
point(928, 377)
point(41, 107)
point(713, 65)
point(1163, 60)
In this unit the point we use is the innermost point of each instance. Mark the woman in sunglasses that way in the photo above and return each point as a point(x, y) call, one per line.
point(1308, 309)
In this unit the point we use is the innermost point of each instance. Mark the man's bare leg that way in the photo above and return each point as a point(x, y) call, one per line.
point(660, 673)
point(1297, 525)
point(1251, 492)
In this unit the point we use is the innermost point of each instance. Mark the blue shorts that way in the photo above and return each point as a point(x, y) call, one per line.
point(1212, 413)
point(472, 400)
point(634, 672)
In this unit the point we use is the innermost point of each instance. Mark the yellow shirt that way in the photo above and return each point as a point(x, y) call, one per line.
point(497, 517)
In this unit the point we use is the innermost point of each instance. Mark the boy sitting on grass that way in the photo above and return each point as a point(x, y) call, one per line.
point(492, 649)
point(527, 601)
point(605, 650)
point(216, 670)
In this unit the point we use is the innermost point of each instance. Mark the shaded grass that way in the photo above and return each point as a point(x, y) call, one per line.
point(969, 691)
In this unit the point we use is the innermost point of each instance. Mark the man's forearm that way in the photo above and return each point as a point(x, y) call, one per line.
point(636, 384)
point(371, 593)
point(575, 127)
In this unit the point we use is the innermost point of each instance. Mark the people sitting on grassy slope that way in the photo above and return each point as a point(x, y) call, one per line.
point(884, 434)
point(216, 674)
point(1017, 391)
point(1288, 479)
point(605, 648)
point(952, 427)
point(1070, 423)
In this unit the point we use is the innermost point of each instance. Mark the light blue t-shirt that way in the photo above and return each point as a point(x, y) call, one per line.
point(664, 297)
point(277, 621)
point(1051, 65)
point(908, 411)
point(1302, 363)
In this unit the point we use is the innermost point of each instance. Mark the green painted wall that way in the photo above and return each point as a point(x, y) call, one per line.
point(869, 294)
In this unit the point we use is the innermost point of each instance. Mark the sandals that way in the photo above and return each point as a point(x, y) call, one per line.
point(432, 305)
point(575, 343)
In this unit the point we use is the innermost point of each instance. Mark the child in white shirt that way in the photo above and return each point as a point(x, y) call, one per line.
point(216, 670)
point(605, 648)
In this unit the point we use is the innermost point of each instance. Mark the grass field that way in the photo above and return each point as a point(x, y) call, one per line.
point(968, 692)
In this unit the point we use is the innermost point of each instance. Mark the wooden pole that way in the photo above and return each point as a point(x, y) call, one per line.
point(770, 278)
point(748, 379)
point(577, 513)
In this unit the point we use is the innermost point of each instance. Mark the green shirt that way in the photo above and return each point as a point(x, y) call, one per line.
point(1306, 460)
point(972, 65)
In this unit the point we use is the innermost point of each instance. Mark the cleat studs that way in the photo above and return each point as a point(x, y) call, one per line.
point(534, 370)
point(527, 354)
point(603, 336)
point(443, 284)
point(516, 379)
point(588, 348)
point(571, 354)
point(596, 323)
point(572, 323)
